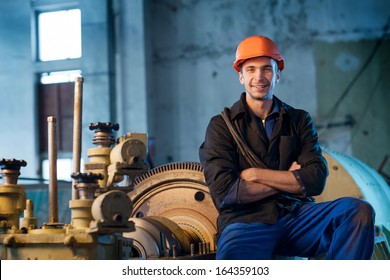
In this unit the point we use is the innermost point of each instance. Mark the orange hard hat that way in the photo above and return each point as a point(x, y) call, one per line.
point(256, 46)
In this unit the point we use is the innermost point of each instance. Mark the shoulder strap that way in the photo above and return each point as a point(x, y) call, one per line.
point(241, 144)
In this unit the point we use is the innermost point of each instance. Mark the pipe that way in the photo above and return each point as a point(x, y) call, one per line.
point(53, 183)
point(77, 120)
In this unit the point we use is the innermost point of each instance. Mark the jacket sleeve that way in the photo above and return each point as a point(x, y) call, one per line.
point(218, 157)
point(314, 168)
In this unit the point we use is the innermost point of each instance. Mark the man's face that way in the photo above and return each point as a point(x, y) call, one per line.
point(259, 76)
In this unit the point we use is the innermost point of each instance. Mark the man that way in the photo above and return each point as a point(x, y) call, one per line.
point(264, 201)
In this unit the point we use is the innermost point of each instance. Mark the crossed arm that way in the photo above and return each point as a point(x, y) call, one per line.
point(221, 163)
point(259, 183)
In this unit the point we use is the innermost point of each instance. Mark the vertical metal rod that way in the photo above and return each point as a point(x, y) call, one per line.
point(77, 121)
point(53, 183)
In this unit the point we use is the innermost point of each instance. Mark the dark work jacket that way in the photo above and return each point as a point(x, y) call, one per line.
point(293, 139)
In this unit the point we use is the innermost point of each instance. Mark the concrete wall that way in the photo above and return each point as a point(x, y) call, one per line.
point(131, 60)
point(165, 67)
point(354, 87)
point(18, 112)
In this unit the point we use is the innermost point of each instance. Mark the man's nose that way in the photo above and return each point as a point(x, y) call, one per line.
point(259, 74)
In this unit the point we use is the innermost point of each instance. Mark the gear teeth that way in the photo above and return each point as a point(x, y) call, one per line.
point(186, 165)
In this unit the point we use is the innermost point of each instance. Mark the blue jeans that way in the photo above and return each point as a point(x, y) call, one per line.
point(343, 229)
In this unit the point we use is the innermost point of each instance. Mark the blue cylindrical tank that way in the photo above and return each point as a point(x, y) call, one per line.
point(349, 176)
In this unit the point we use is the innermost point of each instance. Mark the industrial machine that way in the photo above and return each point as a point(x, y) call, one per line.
point(100, 211)
point(121, 209)
point(116, 204)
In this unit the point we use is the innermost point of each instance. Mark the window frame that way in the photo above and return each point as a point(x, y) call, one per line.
point(39, 67)
point(44, 57)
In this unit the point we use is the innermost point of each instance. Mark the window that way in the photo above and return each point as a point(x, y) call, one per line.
point(56, 98)
point(59, 35)
point(58, 38)
point(59, 77)
point(64, 169)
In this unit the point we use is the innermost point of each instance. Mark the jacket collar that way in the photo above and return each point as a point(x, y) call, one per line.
point(241, 107)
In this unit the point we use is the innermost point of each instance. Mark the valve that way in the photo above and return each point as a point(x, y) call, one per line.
point(12, 196)
point(86, 184)
point(104, 133)
point(99, 156)
point(10, 170)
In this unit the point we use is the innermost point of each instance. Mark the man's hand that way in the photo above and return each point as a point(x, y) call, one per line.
point(294, 166)
point(249, 174)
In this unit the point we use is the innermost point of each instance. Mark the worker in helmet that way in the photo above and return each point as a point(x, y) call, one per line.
point(263, 163)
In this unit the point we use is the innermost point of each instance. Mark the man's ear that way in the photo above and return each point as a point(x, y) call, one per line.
point(241, 77)
point(277, 76)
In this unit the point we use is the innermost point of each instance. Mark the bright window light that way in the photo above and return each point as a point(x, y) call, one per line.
point(59, 77)
point(64, 169)
point(59, 35)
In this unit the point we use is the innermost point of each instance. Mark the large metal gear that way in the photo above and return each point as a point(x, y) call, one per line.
point(174, 192)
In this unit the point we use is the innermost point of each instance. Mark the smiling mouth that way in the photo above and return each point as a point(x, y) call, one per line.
point(260, 86)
